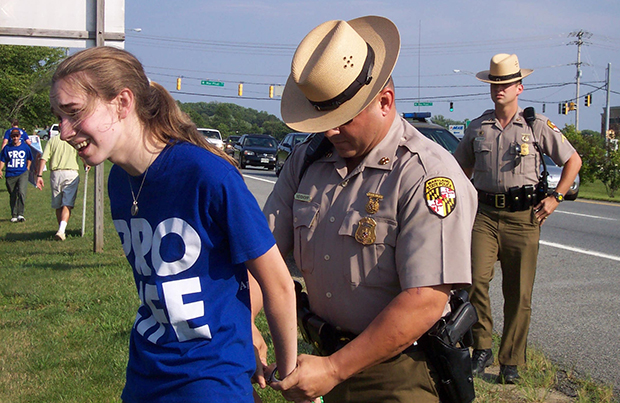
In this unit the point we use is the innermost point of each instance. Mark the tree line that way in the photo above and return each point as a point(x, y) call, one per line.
point(25, 80)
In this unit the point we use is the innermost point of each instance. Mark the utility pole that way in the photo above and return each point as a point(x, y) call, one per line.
point(607, 103)
point(579, 34)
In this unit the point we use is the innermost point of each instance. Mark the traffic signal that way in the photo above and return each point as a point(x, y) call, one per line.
point(564, 108)
point(240, 91)
point(572, 106)
point(271, 91)
point(451, 106)
point(178, 83)
point(588, 100)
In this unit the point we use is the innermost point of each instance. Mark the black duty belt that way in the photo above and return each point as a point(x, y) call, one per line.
point(497, 200)
point(516, 199)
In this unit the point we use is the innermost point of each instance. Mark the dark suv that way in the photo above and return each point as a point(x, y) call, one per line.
point(437, 133)
point(286, 147)
point(257, 150)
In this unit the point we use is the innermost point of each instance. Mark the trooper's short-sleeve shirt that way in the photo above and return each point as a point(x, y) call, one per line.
point(401, 219)
point(505, 157)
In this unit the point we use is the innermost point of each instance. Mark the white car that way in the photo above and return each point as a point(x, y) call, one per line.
point(554, 177)
point(54, 130)
point(213, 136)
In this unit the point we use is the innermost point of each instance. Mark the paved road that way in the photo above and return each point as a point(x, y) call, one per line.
point(576, 303)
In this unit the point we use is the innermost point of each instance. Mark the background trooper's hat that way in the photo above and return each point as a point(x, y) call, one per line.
point(504, 69)
point(337, 70)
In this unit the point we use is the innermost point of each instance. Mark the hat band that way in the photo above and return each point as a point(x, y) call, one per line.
point(364, 78)
point(502, 78)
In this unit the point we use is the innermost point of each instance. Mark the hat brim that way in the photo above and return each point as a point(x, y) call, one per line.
point(484, 77)
point(299, 114)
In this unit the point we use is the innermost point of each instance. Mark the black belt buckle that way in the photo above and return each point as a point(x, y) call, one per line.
point(500, 200)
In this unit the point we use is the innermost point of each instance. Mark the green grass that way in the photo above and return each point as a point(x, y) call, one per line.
point(66, 314)
point(595, 191)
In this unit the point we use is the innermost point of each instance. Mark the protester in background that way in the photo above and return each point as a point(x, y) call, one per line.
point(17, 157)
point(380, 225)
point(64, 180)
point(189, 227)
point(500, 150)
point(7, 134)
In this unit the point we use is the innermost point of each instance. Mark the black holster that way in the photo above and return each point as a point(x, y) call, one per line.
point(446, 346)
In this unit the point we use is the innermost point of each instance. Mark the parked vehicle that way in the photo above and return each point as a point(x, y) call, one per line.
point(554, 177)
point(256, 150)
point(213, 136)
point(435, 132)
point(54, 130)
point(286, 147)
point(42, 133)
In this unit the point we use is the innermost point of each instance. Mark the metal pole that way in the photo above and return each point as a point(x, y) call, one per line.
point(84, 204)
point(99, 179)
point(607, 102)
point(579, 43)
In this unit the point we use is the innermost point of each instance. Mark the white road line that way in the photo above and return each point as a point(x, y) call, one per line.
point(579, 250)
point(258, 179)
point(586, 215)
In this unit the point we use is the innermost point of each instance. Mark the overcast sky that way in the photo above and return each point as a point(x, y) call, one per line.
point(253, 41)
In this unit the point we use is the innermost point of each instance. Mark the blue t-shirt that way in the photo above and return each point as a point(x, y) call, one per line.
point(7, 134)
point(16, 158)
point(196, 225)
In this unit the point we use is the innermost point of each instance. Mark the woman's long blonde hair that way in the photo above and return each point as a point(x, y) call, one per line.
point(103, 72)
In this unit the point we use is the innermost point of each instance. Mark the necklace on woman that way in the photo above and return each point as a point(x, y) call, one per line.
point(134, 205)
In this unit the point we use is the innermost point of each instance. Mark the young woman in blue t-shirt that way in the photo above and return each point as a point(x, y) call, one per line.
point(190, 229)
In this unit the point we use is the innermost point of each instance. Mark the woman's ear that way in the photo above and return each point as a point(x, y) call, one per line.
point(125, 103)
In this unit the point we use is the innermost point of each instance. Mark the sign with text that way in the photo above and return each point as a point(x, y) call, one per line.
point(422, 104)
point(212, 83)
point(457, 130)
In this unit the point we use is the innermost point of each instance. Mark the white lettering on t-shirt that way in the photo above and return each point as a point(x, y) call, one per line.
point(18, 159)
point(170, 306)
point(180, 312)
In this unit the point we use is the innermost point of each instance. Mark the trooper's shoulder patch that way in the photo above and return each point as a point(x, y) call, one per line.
point(440, 196)
point(553, 126)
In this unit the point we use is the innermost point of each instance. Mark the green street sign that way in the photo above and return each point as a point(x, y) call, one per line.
point(422, 104)
point(213, 83)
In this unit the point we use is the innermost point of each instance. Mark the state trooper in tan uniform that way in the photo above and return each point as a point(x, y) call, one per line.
point(380, 226)
point(500, 149)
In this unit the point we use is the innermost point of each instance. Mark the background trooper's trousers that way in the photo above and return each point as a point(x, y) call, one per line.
point(512, 238)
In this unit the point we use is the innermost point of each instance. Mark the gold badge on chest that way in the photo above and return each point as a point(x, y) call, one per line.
point(525, 149)
point(373, 202)
point(366, 233)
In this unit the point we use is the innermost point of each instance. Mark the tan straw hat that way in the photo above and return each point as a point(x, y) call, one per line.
point(338, 68)
point(504, 69)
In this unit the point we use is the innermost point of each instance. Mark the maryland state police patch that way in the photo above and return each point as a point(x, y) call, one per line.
point(440, 196)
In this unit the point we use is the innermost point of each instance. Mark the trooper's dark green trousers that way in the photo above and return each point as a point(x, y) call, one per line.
point(512, 238)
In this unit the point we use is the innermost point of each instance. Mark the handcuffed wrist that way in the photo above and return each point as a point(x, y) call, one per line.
point(273, 377)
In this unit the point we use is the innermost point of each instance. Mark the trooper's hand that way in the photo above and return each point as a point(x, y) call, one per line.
point(545, 208)
point(314, 377)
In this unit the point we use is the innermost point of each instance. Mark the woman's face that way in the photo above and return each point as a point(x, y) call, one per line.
point(96, 133)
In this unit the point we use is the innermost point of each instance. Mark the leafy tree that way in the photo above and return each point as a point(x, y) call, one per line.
point(445, 122)
point(234, 119)
point(609, 170)
point(25, 84)
point(591, 149)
